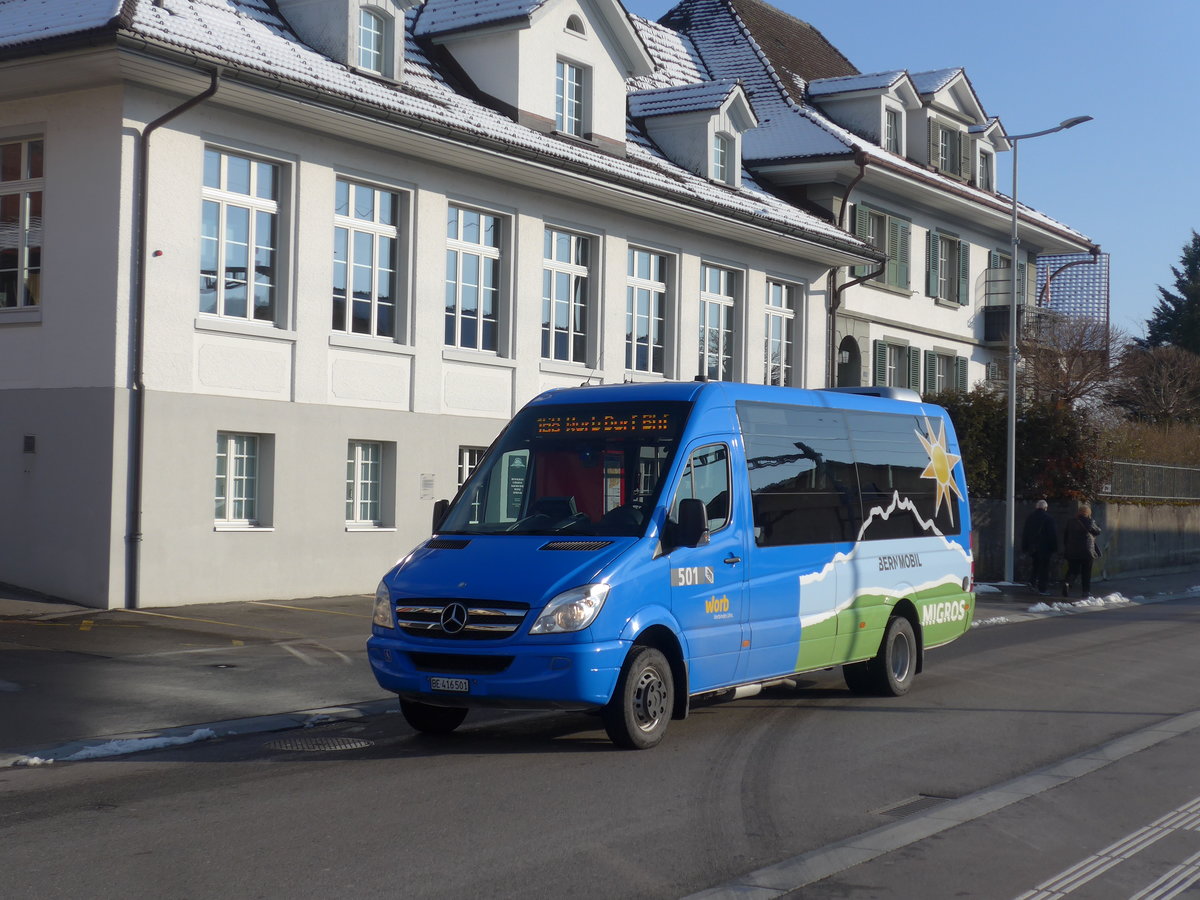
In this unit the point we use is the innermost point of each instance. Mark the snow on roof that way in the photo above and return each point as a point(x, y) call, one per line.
point(930, 82)
point(873, 82)
point(676, 60)
point(440, 16)
point(251, 35)
point(665, 101)
point(26, 21)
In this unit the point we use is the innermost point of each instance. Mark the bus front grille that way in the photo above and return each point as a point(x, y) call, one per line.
point(460, 620)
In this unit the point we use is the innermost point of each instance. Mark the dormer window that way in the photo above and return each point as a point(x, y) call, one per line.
point(374, 39)
point(722, 155)
point(893, 131)
point(987, 171)
point(949, 150)
point(569, 97)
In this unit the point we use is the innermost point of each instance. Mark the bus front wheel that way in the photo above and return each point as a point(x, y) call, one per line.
point(432, 719)
point(892, 670)
point(637, 716)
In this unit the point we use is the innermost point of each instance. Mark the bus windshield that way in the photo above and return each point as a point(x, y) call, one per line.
point(586, 469)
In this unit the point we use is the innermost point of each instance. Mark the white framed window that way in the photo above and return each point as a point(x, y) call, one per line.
point(565, 302)
point(237, 481)
point(780, 322)
point(987, 171)
point(717, 302)
point(366, 249)
point(575, 25)
point(722, 158)
point(893, 131)
point(944, 372)
point(372, 41)
point(364, 483)
point(645, 308)
point(896, 365)
point(569, 98)
point(473, 261)
point(22, 181)
point(239, 237)
point(891, 234)
point(950, 150)
point(947, 268)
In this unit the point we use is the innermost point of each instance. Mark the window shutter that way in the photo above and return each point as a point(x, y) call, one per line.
point(930, 370)
point(914, 368)
point(995, 260)
point(881, 355)
point(861, 217)
point(966, 151)
point(1020, 283)
point(898, 252)
point(964, 273)
point(934, 142)
point(931, 263)
point(960, 373)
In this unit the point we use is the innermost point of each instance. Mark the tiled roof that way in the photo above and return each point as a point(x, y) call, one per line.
point(874, 82)
point(704, 95)
point(250, 35)
point(27, 21)
point(929, 82)
point(441, 16)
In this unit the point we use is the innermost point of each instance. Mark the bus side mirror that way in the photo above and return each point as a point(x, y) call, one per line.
point(692, 530)
point(440, 508)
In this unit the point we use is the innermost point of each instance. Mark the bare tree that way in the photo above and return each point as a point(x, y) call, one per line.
point(1160, 385)
point(1068, 360)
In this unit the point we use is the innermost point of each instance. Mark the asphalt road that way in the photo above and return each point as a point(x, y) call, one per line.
point(1002, 757)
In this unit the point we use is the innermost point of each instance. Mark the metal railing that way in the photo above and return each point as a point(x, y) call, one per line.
point(1147, 481)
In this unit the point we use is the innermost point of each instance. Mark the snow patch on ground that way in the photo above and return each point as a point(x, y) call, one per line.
point(1105, 602)
point(123, 746)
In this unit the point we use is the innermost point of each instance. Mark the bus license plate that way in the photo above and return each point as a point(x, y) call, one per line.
point(454, 685)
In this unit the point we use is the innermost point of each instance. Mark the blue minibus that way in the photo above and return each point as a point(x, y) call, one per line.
point(629, 548)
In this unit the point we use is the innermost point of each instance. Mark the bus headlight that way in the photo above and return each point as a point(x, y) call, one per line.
point(571, 610)
point(383, 607)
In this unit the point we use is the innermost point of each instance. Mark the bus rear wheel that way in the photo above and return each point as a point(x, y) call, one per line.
point(891, 672)
point(432, 719)
point(637, 716)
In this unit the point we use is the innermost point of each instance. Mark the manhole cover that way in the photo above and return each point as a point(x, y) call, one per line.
point(318, 744)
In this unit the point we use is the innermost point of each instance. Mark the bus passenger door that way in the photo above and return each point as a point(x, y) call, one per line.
point(707, 581)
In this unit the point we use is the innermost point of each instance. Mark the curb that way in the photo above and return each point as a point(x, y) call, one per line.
point(139, 741)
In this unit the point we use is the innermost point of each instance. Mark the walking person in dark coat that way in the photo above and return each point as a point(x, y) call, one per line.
point(1079, 547)
point(1039, 539)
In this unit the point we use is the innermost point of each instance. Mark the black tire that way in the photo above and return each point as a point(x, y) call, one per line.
point(639, 712)
point(432, 719)
point(891, 672)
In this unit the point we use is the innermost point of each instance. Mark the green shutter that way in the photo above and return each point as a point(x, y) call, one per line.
point(966, 148)
point(931, 263)
point(861, 217)
point(881, 354)
point(914, 368)
point(960, 373)
point(930, 370)
point(898, 252)
point(1020, 283)
point(934, 130)
point(995, 259)
point(964, 273)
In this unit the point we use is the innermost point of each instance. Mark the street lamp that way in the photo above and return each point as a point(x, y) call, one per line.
point(1010, 496)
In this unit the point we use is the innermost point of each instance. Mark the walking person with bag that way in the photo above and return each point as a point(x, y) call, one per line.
point(1079, 548)
point(1039, 538)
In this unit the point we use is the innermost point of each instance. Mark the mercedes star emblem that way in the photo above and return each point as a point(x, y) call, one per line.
point(454, 618)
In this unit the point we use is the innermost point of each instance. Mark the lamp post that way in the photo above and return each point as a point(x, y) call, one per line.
point(1010, 495)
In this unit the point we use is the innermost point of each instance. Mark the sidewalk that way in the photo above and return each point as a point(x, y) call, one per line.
point(77, 682)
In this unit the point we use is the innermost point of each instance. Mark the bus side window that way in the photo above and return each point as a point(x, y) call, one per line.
point(706, 478)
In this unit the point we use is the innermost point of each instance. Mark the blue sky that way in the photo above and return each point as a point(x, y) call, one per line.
point(1129, 179)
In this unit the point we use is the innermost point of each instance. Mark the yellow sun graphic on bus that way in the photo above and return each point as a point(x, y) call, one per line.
point(941, 466)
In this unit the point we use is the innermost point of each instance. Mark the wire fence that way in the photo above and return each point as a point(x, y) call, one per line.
point(1146, 481)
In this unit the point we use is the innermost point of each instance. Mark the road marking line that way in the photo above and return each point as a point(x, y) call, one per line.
point(1174, 882)
point(86, 625)
point(300, 655)
point(1084, 871)
point(146, 612)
